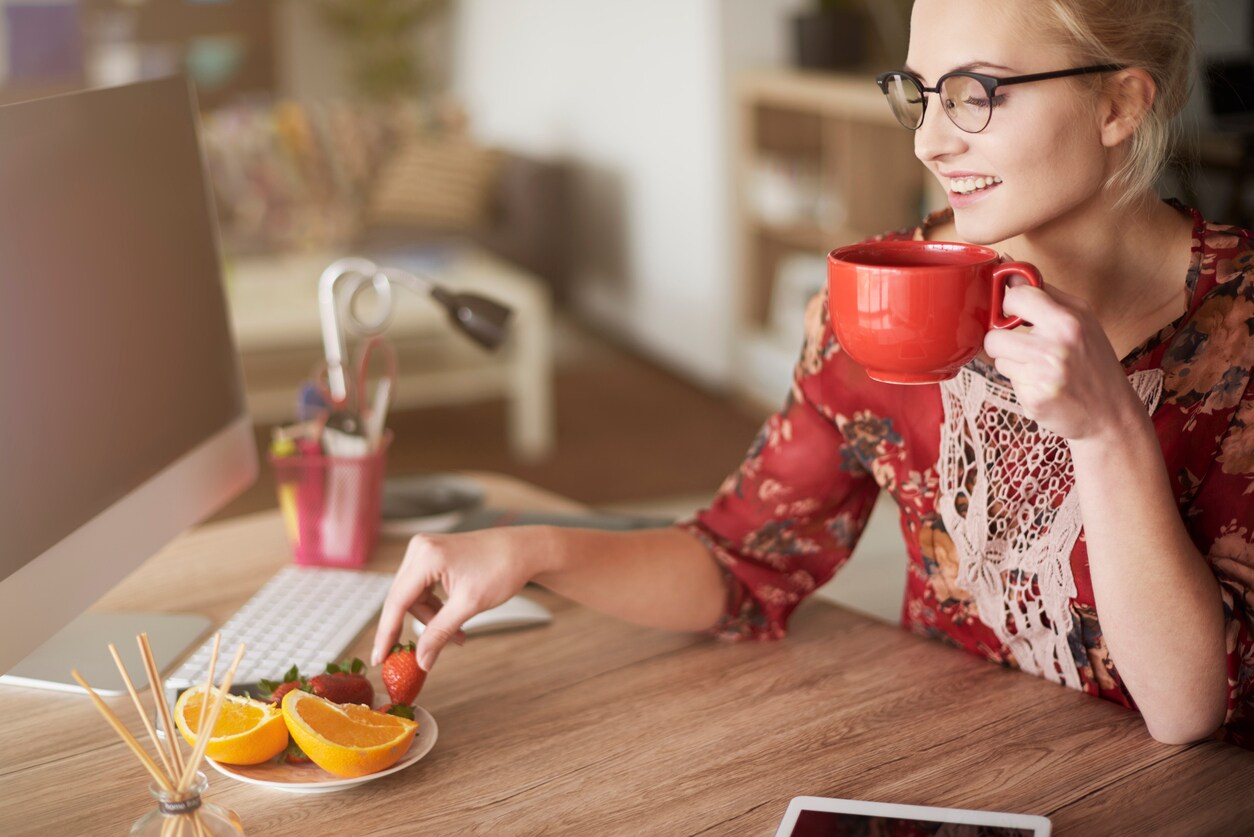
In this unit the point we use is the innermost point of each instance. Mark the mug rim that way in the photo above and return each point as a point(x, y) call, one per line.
point(840, 254)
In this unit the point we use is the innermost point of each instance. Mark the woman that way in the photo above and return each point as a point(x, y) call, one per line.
point(1079, 502)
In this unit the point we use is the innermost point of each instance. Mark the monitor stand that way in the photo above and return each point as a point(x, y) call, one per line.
point(84, 645)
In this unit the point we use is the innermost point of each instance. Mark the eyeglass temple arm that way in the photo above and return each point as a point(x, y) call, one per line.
point(1075, 71)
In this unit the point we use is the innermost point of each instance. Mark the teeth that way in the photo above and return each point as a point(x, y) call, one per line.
point(967, 185)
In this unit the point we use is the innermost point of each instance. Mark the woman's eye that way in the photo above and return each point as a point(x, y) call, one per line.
point(979, 102)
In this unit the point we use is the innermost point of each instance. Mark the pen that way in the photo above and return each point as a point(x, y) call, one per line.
point(283, 446)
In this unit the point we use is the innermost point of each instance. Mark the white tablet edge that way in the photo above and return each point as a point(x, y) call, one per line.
point(1039, 826)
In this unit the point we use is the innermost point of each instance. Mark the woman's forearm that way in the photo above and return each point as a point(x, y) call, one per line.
point(663, 578)
point(1158, 602)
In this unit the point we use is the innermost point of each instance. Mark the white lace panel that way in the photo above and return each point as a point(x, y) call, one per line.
point(1006, 499)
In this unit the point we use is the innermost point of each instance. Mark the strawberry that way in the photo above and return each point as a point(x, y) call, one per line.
point(277, 689)
point(293, 755)
point(401, 674)
point(343, 683)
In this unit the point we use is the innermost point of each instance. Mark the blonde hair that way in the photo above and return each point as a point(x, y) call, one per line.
point(1153, 35)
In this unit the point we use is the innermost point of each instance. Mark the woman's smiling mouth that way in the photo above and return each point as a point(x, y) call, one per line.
point(967, 185)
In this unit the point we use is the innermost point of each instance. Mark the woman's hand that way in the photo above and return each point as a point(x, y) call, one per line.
point(476, 570)
point(1063, 369)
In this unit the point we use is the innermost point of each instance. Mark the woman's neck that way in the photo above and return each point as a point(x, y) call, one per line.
point(1128, 265)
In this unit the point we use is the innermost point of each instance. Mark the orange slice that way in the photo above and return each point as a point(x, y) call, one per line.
point(247, 731)
point(346, 740)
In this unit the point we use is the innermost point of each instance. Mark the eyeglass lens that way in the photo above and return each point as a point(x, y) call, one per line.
point(964, 100)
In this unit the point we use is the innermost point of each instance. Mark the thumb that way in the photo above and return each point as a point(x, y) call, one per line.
point(440, 631)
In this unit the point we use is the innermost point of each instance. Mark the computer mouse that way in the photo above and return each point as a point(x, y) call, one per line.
point(517, 612)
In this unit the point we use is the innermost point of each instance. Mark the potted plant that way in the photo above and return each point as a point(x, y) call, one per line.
point(833, 35)
point(379, 38)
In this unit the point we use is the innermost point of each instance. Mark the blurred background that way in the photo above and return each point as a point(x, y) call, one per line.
point(652, 184)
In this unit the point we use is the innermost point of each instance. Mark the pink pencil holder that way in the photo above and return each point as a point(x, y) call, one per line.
point(330, 504)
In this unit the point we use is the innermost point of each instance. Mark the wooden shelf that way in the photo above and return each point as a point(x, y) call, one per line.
point(833, 141)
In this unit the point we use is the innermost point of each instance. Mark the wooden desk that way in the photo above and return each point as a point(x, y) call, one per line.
point(593, 726)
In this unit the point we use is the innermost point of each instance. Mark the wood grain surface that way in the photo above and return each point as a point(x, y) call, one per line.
point(594, 726)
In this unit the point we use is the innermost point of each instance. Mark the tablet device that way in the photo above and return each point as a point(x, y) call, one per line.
point(812, 816)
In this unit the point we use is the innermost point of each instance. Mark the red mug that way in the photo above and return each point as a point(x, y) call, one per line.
point(915, 312)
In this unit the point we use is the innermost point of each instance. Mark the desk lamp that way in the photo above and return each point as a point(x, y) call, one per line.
point(481, 319)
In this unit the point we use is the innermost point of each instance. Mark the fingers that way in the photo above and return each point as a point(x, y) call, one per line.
point(443, 627)
point(391, 620)
point(1241, 572)
point(1035, 384)
point(413, 583)
point(1011, 345)
point(1035, 305)
point(472, 577)
point(425, 610)
point(1042, 355)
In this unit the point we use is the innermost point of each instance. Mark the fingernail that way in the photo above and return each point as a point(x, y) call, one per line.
point(426, 660)
point(375, 657)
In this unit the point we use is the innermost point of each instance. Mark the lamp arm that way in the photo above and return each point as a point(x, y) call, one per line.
point(333, 345)
point(416, 282)
point(482, 319)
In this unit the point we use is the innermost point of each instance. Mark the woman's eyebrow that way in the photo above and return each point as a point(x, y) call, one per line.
point(983, 65)
point(970, 66)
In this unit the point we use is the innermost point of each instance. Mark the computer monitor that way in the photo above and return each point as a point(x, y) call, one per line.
point(122, 417)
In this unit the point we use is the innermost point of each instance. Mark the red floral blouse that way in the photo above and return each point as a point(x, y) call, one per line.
point(996, 556)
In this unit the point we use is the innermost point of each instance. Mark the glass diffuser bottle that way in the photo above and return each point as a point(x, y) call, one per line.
point(187, 814)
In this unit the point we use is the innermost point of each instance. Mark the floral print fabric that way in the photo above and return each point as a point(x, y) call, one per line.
point(786, 520)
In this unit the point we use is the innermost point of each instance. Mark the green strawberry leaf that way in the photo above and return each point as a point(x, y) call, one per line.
point(402, 710)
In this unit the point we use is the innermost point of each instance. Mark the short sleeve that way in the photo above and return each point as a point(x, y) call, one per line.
point(785, 520)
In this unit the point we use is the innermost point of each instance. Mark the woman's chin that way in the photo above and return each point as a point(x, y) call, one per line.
point(974, 232)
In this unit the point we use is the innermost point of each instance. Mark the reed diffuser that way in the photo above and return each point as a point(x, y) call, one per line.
point(178, 784)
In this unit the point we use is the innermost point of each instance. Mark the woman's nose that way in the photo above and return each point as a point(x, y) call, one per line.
point(938, 137)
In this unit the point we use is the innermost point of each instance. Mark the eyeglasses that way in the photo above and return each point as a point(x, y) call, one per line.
point(968, 98)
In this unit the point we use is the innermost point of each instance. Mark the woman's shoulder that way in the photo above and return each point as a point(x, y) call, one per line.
point(1223, 252)
point(1221, 271)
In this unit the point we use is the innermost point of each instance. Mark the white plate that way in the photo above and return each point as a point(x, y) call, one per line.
point(310, 778)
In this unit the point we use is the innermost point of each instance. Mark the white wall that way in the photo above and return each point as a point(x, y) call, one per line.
point(635, 95)
point(628, 93)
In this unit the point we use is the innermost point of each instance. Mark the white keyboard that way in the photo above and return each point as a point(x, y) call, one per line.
point(303, 615)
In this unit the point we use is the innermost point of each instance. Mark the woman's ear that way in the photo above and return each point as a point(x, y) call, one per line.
point(1128, 97)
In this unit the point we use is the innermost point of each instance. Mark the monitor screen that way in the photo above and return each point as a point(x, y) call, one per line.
point(123, 418)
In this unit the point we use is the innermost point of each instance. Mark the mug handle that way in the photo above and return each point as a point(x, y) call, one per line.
point(1001, 276)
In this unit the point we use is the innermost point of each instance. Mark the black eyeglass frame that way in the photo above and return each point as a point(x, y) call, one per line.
point(989, 83)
